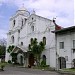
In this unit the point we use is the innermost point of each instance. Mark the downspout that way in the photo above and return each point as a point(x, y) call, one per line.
point(56, 51)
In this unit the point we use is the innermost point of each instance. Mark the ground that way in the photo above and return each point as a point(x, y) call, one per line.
point(11, 70)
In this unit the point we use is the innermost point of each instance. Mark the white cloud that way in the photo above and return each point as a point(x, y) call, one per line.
point(63, 9)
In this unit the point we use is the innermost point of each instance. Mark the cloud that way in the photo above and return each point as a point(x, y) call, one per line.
point(3, 33)
point(63, 9)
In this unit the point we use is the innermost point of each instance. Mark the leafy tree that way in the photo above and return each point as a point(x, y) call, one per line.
point(10, 48)
point(36, 48)
point(2, 50)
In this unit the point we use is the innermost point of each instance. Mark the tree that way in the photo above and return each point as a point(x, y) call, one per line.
point(10, 48)
point(36, 48)
point(2, 50)
point(2, 53)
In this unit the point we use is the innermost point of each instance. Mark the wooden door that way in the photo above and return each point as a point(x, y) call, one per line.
point(31, 59)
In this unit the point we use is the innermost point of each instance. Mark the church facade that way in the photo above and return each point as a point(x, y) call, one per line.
point(23, 27)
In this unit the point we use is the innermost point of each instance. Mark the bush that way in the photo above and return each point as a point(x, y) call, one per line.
point(43, 63)
point(2, 65)
point(9, 61)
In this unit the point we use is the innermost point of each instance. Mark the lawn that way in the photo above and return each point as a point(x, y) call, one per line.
point(69, 69)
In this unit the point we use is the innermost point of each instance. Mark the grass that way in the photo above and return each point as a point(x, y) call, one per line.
point(47, 68)
point(2, 64)
point(69, 69)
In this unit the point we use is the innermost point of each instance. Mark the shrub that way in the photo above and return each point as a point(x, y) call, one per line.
point(9, 61)
point(2, 65)
point(43, 63)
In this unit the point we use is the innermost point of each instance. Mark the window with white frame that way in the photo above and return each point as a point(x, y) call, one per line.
point(73, 43)
point(32, 28)
point(61, 44)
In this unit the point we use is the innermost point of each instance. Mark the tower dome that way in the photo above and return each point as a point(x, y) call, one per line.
point(22, 8)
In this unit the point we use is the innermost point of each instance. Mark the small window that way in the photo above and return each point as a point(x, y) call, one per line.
point(73, 43)
point(14, 23)
point(61, 45)
point(32, 18)
point(25, 19)
point(32, 27)
point(44, 40)
point(18, 31)
point(21, 43)
point(22, 22)
point(12, 38)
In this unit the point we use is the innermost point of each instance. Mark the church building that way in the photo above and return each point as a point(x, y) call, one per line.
point(24, 26)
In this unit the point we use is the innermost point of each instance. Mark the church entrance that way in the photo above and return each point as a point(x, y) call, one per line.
point(61, 62)
point(21, 60)
point(31, 59)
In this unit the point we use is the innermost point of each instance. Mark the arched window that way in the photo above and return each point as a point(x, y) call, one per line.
point(32, 28)
point(14, 22)
point(25, 20)
point(12, 39)
point(44, 40)
point(18, 31)
point(32, 18)
point(44, 57)
point(22, 22)
point(21, 43)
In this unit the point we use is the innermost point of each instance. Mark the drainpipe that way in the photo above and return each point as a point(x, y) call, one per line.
point(56, 51)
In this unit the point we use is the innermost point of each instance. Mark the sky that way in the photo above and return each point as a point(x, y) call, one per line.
point(62, 10)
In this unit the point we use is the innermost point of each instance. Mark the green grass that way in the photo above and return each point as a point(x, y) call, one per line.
point(69, 69)
point(3, 64)
point(47, 68)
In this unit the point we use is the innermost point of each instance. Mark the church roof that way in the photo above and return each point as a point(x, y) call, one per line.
point(72, 28)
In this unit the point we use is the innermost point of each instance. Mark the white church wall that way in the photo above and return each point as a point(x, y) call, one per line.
point(42, 28)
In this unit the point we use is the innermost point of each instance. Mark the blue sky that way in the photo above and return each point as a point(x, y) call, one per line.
point(62, 10)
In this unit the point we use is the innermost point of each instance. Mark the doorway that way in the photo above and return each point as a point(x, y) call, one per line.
point(61, 62)
point(21, 60)
point(31, 59)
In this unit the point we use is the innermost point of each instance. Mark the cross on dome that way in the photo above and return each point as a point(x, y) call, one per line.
point(22, 8)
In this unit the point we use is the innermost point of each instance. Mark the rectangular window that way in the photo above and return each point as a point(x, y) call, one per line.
point(73, 43)
point(61, 45)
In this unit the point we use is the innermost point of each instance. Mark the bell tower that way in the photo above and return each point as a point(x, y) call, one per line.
point(22, 10)
point(19, 18)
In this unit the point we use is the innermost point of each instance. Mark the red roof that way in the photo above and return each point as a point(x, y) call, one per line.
point(58, 27)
